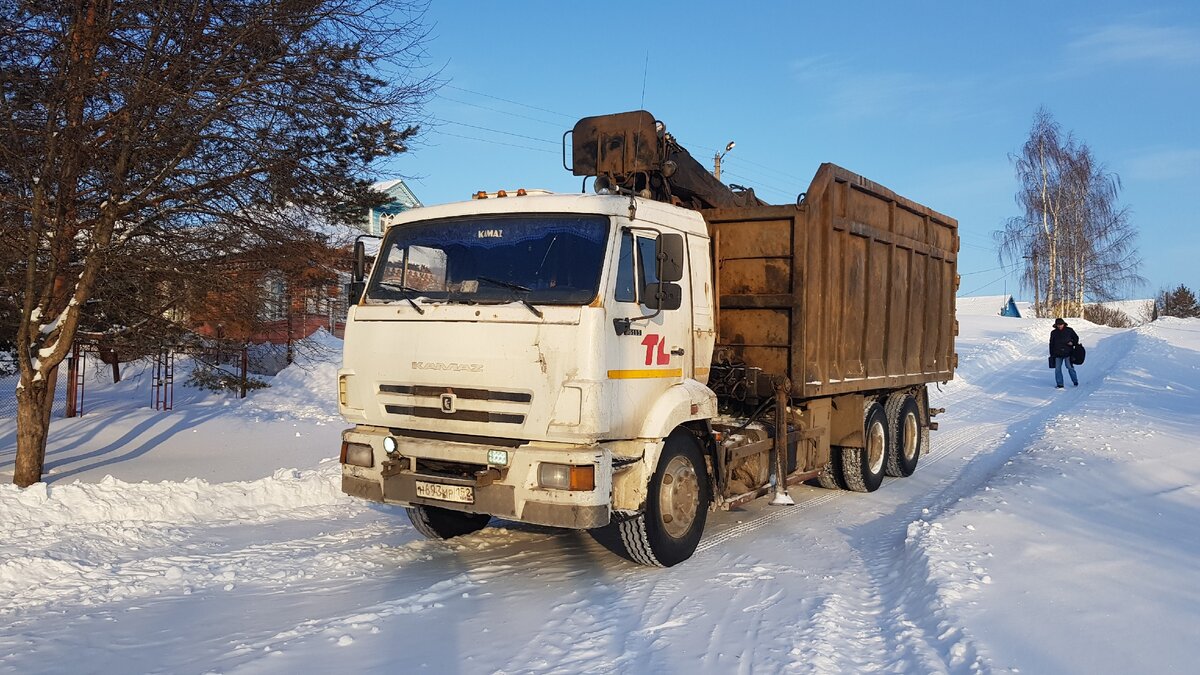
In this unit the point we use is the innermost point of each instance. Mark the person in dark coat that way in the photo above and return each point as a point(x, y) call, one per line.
point(1062, 341)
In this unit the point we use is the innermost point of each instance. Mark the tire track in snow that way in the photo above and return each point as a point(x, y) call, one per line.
point(902, 572)
point(923, 644)
point(341, 629)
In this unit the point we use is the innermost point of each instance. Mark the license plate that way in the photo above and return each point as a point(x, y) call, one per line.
point(463, 494)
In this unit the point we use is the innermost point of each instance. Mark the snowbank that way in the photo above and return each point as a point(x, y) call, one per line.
point(175, 502)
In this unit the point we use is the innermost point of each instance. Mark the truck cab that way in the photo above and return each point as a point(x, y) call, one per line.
point(527, 357)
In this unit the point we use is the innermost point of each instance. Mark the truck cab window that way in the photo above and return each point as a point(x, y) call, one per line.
point(647, 274)
point(634, 272)
point(626, 290)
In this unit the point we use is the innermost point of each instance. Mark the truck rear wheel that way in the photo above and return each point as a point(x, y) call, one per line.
point(830, 477)
point(862, 468)
point(668, 530)
point(904, 423)
point(439, 523)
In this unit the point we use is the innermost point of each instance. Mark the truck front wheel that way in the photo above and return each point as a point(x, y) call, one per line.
point(668, 530)
point(438, 523)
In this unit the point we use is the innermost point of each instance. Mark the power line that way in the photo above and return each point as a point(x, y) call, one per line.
point(767, 168)
point(523, 105)
point(975, 235)
point(978, 246)
point(779, 174)
point(751, 176)
point(769, 187)
point(497, 131)
point(1008, 268)
point(503, 112)
point(488, 140)
point(994, 281)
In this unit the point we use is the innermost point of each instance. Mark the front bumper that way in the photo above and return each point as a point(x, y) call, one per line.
point(510, 492)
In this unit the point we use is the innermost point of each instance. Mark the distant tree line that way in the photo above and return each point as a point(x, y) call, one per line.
point(1073, 241)
point(1180, 302)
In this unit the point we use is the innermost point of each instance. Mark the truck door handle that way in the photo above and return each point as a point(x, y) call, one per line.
point(677, 351)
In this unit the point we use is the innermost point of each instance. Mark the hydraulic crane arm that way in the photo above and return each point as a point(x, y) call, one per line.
point(632, 153)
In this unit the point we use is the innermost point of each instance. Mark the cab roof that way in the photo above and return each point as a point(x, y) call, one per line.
point(646, 210)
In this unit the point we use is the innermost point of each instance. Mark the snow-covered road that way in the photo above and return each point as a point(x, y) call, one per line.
point(1047, 531)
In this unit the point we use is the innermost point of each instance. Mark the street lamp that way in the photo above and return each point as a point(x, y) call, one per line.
point(717, 159)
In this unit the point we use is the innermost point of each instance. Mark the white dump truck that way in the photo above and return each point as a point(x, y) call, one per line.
point(632, 358)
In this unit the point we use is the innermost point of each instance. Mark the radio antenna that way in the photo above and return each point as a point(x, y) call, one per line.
point(645, 69)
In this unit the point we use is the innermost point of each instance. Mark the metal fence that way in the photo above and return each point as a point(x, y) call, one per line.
point(8, 396)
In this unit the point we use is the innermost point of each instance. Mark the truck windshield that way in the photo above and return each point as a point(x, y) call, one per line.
point(552, 259)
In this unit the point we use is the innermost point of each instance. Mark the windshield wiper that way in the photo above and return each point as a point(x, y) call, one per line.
point(515, 289)
point(404, 290)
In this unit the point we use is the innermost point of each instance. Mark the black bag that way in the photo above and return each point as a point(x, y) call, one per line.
point(1078, 354)
point(1051, 363)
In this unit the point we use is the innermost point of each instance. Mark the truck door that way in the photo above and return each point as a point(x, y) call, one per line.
point(647, 355)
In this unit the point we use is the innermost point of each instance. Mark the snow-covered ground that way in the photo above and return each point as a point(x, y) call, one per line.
point(1048, 531)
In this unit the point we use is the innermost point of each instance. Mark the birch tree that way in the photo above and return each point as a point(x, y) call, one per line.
point(138, 130)
point(1073, 241)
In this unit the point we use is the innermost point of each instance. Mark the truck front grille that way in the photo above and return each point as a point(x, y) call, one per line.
point(462, 415)
point(460, 392)
point(449, 469)
point(469, 404)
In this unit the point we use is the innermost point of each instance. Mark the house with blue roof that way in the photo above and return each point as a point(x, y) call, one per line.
point(403, 199)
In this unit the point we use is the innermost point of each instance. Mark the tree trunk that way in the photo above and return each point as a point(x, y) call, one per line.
point(34, 404)
point(1037, 291)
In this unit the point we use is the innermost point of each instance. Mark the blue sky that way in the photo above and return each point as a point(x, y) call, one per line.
point(927, 98)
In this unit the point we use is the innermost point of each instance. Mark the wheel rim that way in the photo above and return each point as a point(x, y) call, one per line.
point(678, 497)
point(876, 442)
point(910, 437)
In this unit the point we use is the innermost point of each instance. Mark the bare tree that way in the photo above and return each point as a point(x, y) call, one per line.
point(144, 138)
point(1073, 241)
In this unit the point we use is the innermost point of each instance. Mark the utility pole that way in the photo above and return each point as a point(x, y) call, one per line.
point(717, 160)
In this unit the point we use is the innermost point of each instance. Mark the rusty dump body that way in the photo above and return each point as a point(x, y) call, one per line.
point(851, 290)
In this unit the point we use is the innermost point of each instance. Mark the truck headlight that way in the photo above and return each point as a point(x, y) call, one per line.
point(358, 454)
point(567, 477)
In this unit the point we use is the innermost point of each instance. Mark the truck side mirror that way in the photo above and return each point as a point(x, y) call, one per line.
point(360, 262)
point(354, 291)
point(669, 253)
point(663, 295)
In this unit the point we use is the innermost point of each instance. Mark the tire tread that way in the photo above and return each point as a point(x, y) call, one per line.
point(891, 411)
point(637, 541)
point(828, 478)
point(437, 523)
point(420, 522)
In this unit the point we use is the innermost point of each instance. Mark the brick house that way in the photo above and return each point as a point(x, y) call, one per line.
point(301, 289)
